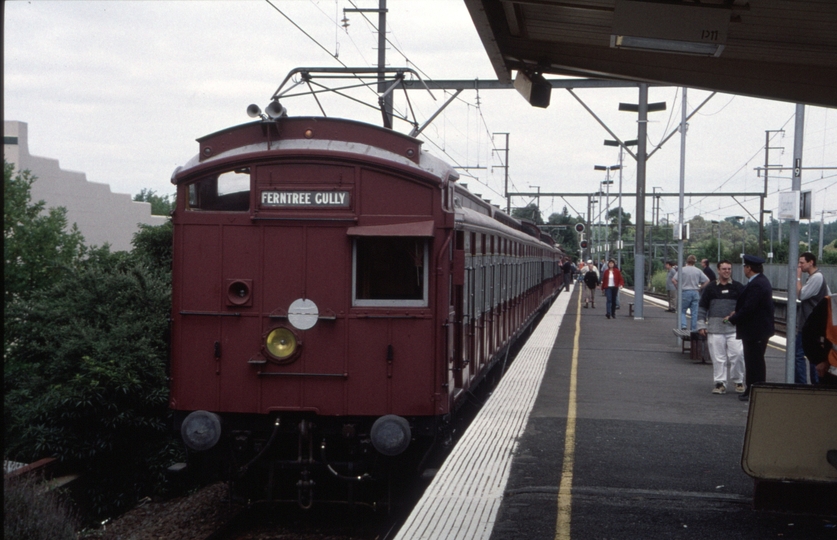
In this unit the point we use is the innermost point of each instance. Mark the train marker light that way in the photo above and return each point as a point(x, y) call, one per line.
point(281, 343)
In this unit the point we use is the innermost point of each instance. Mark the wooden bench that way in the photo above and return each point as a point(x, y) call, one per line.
point(685, 338)
point(697, 351)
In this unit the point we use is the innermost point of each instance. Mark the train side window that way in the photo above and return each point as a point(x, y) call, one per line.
point(225, 192)
point(390, 271)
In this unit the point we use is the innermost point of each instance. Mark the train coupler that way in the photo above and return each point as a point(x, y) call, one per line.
point(305, 490)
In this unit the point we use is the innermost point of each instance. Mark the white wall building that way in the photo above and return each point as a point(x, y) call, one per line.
point(101, 216)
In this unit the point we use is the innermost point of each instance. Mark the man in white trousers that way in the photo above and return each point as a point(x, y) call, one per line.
point(716, 303)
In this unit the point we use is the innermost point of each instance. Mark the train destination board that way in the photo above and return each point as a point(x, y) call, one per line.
point(330, 199)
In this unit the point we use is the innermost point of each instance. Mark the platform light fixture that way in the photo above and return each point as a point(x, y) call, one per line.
point(534, 88)
point(691, 29)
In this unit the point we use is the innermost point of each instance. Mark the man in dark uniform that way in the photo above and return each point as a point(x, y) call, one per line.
point(753, 320)
point(708, 270)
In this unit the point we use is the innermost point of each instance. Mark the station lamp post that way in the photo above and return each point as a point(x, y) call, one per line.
point(625, 144)
point(607, 181)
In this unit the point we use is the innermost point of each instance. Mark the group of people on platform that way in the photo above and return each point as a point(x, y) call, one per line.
point(609, 278)
point(737, 321)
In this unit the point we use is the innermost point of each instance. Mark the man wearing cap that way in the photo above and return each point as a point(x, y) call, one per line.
point(753, 320)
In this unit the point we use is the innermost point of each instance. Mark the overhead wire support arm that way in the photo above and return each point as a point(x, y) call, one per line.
point(612, 134)
point(418, 130)
point(676, 130)
point(359, 73)
point(366, 77)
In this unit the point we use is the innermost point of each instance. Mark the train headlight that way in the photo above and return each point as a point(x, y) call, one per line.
point(390, 435)
point(201, 430)
point(281, 343)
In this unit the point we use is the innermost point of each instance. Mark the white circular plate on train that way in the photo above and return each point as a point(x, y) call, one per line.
point(303, 314)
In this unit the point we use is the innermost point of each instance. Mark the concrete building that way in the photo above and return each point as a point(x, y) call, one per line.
point(101, 215)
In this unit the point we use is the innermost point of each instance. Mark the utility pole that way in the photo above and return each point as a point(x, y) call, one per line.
point(386, 106)
point(505, 167)
point(385, 102)
point(793, 245)
point(767, 149)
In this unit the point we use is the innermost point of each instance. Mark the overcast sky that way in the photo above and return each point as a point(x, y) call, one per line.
point(121, 90)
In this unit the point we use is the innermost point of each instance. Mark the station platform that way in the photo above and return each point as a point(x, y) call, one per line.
point(604, 429)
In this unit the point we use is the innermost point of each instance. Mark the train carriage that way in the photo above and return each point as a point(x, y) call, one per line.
point(335, 295)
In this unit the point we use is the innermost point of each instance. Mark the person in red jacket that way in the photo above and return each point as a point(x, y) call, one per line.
point(611, 283)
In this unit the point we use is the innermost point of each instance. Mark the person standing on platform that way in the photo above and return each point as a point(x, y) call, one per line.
point(809, 295)
point(753, 320)
point(591, 281)
point(708, 270)
point(671, 288)
point(819, 338)
point(567, 267)
point(693, 280)
point(716, 302)
point(611, 283)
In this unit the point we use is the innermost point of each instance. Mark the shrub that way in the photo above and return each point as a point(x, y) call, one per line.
point(658, 281)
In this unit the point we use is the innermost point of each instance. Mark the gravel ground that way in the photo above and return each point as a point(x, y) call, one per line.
point(195, 516)
point(186, 518)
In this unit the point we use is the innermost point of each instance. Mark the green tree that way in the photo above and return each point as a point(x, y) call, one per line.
point(36, 244)
point(564, 232)
point(85, 378)
point(161, 205)
point(530, 212)
point(85, 363)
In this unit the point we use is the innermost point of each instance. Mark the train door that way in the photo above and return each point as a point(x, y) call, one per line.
point(479, 327)
point(471, 300)
point(458, 312)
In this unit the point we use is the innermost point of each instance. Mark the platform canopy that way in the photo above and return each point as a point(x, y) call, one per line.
point(775, 49)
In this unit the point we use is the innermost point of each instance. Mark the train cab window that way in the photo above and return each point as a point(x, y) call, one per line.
point(225, 192)
point(390, 271)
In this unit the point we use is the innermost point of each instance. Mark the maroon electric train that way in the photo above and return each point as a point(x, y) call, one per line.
point(335, 296)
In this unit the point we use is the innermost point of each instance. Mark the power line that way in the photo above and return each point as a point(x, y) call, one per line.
point(306, 33)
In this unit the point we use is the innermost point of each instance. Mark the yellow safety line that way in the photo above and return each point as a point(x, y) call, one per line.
point(562, 527)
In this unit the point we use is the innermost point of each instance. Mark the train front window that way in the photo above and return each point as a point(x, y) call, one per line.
point(390, 271)
point(225, 192)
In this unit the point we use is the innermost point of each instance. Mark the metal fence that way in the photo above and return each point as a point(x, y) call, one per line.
point(778, 275)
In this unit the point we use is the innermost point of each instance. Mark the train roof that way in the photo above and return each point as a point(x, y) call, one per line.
point(311, 134)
